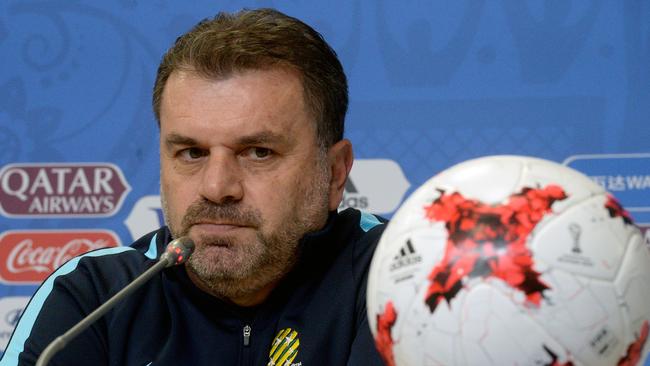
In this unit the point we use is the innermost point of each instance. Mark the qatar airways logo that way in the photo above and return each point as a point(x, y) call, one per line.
point(31, 256)
point(61, 190)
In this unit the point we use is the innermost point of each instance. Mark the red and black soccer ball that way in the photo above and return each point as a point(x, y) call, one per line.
point(509, 260)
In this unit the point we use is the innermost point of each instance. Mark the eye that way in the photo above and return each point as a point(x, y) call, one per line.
point(192, 153)
point(258, 153)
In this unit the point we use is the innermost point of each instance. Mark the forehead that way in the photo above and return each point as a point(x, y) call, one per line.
point(271, 99)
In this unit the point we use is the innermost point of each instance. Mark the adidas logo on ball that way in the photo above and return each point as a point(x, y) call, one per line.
point(407, 256)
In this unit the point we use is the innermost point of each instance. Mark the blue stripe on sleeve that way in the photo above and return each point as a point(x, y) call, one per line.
point(368, 221)
point(28, 318)
point(152, 252)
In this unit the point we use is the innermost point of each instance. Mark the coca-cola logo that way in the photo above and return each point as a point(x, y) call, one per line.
point(61, 190)
point(31, 256)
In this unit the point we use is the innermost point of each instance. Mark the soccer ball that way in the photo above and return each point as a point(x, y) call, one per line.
point(509, 260)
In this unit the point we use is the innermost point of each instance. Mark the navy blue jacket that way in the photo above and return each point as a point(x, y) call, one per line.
point(317, 315)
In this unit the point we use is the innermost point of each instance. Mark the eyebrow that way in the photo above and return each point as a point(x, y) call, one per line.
point(263, 137)
point(176, 139)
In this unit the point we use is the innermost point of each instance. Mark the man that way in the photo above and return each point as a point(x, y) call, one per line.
point(253, 167)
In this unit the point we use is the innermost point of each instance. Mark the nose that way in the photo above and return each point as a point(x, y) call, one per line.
point(221, 181)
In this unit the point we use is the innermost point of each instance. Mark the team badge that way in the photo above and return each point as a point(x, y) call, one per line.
point(284, 348)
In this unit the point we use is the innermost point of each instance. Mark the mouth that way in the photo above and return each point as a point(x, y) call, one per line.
point(217, 228)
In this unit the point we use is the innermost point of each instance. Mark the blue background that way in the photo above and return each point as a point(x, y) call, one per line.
point(432, 83)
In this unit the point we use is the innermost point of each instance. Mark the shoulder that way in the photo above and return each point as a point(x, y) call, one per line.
point(361, 223)
point(364, 229)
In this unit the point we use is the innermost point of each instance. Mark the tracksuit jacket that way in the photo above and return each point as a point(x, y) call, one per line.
point(316, 315)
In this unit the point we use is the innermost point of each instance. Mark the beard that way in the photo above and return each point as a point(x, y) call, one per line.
point(232, 267)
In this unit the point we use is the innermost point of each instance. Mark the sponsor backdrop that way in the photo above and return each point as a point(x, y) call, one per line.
point(432, 83)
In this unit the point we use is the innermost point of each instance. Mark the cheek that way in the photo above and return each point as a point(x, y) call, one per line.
point(275, 196)
point(178, 195)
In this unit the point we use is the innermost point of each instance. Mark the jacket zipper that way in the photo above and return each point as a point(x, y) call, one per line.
point(247, 335)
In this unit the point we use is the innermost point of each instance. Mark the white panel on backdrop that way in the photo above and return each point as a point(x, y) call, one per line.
point(10, 309)
point(375, 185)
point(146, 216)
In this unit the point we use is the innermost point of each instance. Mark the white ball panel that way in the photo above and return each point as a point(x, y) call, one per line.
point(500, 331)
point(583, 314)
point(584, 240)
point(435, 335)
point(421, 339)
point(577, 186)
point(633, 283)
point(493, 188)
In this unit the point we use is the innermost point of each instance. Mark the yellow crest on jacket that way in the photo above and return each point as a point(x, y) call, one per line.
point(284, 348)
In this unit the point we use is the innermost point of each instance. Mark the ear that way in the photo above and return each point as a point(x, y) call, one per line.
point(340, 159)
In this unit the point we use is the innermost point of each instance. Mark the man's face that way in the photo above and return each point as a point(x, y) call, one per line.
point(242, 175)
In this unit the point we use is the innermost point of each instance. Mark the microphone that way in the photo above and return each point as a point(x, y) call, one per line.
point(177, 252)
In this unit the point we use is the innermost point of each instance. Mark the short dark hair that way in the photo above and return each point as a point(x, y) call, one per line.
point(262, 39)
